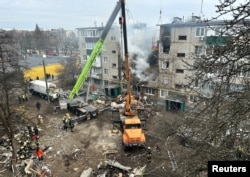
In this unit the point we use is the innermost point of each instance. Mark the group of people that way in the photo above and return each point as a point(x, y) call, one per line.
point(149, 152)
point(22, 98)
point(26, 148)
point(48, 76)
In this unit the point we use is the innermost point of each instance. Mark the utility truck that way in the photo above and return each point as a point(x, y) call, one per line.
point(38, 87)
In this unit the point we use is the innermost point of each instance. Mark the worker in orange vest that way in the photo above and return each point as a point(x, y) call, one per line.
point(39, 153)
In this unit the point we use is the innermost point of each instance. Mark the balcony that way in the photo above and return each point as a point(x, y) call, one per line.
point(96, 75)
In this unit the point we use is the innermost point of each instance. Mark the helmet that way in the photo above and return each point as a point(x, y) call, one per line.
point(149, 148)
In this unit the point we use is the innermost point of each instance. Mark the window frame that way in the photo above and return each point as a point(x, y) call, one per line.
point(200, 31)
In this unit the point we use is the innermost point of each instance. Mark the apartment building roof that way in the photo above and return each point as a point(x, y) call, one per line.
point(198, 22)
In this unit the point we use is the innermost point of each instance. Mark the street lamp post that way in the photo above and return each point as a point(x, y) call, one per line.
point(45, 77)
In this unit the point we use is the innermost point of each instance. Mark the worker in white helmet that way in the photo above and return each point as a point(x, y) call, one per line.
point(149, 154)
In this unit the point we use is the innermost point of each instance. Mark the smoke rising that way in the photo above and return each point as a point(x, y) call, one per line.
point(139, 46)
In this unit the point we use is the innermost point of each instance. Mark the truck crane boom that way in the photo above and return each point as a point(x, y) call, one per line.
point(95, 52)
point(128, 110)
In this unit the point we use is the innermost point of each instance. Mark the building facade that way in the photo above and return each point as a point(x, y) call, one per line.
point(181, 44)
point(105, 70)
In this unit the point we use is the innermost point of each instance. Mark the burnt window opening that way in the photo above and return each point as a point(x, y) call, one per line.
point(181, 54)
point(113, 51)
point(165, 39)
point(179, 71)
point(165, 64)
point(182, 38)
point(178, 86)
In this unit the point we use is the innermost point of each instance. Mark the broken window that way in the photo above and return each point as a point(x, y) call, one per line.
point(114, 65)
point(165, 64)
point(181, 54)
point(165, 39)
point(182, 38)
point(149, 91)
point(179, 71)
point(178, 86)
point(114, 77)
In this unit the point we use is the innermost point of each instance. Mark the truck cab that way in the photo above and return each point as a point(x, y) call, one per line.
point(133, 135)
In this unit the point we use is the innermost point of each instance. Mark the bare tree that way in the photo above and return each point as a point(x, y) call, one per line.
point(215, 131)
point(69, 72)
point(11, 78)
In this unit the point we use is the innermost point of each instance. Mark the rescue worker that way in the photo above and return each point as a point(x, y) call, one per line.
point(158, 149)
point(55, 110)
point(67, 122)
point(71, 125)
point(149, 154)
point(30, 131)
point(239, 152)
point(64, 123)
point(39, 119)
point(23, 97)
point(38, 106)
point(39, 153)
point(36, 134)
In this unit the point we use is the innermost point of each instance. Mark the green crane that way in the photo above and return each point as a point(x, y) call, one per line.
point(95, 52)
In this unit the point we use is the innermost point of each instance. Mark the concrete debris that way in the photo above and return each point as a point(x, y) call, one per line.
point(117, 165)
point(28, 166)
point(7, 154)
point(117, 106)
point(110, 152)
point(87, 173)
point(100, 102)
point(103, 175)
point(138, 172)
point(32, 168)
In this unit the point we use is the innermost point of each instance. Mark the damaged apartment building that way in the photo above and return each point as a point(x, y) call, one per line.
point(186, 41)
point(178, 41)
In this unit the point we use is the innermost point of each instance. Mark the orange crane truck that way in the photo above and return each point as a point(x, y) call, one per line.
point(133, 135)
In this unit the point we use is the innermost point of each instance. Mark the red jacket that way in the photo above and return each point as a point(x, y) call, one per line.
point(39, 152)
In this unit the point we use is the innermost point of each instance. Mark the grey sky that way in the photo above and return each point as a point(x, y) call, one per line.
point(71, 14)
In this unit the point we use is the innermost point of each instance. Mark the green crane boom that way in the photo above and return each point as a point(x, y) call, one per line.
point(95, 52)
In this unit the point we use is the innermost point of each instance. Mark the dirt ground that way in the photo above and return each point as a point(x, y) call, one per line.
point(73, 152)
